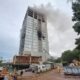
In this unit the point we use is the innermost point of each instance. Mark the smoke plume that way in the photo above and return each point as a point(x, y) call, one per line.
point(55, 17)
point(60, 32)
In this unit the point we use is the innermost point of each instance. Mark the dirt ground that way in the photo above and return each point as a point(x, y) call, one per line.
point(50, 75)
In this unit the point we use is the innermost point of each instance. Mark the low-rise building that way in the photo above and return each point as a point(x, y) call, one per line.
point(27, 59)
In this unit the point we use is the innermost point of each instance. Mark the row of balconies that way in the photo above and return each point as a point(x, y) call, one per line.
point(27, 59)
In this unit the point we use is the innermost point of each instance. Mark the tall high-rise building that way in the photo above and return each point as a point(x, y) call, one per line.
point(34, 36)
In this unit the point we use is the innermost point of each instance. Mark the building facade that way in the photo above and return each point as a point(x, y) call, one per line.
point(34, 36)
point(26, 59)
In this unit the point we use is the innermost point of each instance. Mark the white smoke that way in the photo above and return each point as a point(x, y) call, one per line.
point(61, 34)
point(55, 17)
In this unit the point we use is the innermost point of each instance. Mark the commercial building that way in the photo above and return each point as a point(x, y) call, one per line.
point(34, 36)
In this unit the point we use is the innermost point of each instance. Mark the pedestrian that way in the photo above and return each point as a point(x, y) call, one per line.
point(5, 78)
point(21, 73)
point(58, 69)
point(14, 77)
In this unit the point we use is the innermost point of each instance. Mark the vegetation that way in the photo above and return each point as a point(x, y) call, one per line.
point(1, 60)
point(58, 60)
point(68, 56)
point(76, 19)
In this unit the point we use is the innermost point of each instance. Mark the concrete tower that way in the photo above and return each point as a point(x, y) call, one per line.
point(34, 37)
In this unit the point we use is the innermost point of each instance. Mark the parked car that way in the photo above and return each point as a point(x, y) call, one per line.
point(35, 69)
point(48, 66)
point(39, 68)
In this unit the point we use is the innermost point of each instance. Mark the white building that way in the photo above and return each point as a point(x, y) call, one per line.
point(34, 37)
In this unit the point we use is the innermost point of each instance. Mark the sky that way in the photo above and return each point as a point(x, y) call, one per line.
point(60, 33)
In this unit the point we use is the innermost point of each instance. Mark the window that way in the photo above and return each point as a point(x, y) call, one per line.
point(30, 13)
point(43, 20)
point(35, 15)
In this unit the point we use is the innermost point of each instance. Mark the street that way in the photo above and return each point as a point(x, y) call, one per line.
point(50, 75)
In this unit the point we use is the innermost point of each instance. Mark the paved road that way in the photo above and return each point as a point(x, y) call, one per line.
point(50, 75)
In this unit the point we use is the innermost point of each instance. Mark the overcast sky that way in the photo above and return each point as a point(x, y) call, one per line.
point(60, 32)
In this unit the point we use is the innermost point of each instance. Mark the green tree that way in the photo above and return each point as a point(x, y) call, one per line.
point(76, 19)
point(58, 60)
point(76, 54)
point(67, 56)
point(1, 59)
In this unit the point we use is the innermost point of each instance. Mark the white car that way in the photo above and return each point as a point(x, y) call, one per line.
point(39, 68)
